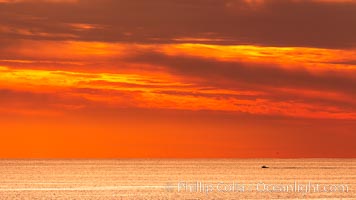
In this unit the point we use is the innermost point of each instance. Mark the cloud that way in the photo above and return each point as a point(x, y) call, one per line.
point(251, 79)
point(35, 103)
point(62, 91)
point(239, 74)
point(273, 23)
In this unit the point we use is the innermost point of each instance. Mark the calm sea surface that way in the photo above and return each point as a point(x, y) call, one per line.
point(178, 179)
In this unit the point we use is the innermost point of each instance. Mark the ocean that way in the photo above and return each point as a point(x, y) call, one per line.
point(178, 179)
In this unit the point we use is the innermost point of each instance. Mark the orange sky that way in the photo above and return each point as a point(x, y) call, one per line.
point(135, 78)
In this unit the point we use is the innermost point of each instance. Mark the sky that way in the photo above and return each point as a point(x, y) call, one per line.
point(177, 78)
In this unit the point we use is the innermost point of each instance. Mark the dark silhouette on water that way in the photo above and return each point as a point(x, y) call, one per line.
point(264, 166)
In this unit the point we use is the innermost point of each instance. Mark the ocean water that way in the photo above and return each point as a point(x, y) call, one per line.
point(178, 179)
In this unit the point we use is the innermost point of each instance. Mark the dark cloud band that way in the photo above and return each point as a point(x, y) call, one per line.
point(273, 23)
